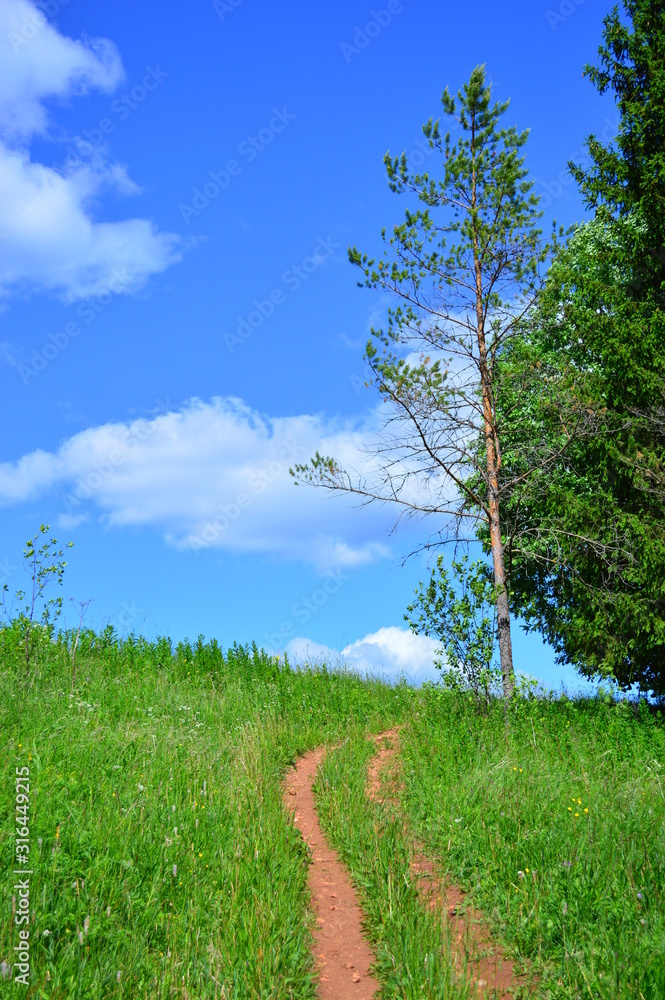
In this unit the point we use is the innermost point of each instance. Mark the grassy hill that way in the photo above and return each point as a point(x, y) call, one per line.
point(164, 865)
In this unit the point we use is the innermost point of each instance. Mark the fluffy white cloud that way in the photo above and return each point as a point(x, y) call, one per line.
point(212, 475)
point(390, 653)
point(50, 242)
point(37, 63)
point(48, 237)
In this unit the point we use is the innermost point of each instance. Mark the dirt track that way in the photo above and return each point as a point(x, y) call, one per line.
point(342, 954)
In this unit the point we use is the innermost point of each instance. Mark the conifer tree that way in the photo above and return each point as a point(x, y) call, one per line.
point(463, 268)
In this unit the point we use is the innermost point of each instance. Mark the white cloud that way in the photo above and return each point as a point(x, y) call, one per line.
point(38, 63)
point(212, 475)
point(391, 652)
point(50, 240)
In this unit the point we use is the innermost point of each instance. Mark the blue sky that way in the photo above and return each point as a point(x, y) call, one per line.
point(179, 322)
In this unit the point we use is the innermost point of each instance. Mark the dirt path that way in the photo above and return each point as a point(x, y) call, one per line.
point(491, 972)
point(342, 954)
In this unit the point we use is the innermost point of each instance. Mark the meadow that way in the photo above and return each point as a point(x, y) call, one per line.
point(164, 864)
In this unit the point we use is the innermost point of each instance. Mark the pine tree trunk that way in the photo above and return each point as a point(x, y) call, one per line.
point(500, 583)
point(502, 606)
point(493, 471)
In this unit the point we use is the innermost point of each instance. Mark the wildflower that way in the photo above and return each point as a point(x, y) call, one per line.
point(521, 874)
point(141, 787)
point(57, 833)
point(514, 769)
point(586, 810)
point(200, 855)
point(173, 808)
point(5, 969)
point(565, 907)
point(569, 809)
point(86, 926)
point(526, 870)
point(81, 937)
point(579, 802)
point(45, 933)
point(108, 911)
point(175, 870)
point(639, 895)
point(577, 814)
point(118, 976)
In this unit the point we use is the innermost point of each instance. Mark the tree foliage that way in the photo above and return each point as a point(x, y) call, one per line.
point(45, 565)
point(462, 616)
point(587, 541)
point(628, 177)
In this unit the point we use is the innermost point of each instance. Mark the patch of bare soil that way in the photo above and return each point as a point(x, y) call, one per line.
point(472, 948)
point(342, 955)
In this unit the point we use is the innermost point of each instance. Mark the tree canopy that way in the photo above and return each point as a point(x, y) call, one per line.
point(588, 561)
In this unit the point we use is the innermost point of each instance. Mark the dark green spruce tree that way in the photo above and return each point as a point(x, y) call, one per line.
point(586, 542)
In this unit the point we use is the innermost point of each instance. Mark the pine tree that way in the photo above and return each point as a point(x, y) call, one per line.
point(463, 268)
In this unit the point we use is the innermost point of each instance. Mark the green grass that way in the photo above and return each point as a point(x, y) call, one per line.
point(156, 815)
point(579, 894)
point(165, 866)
